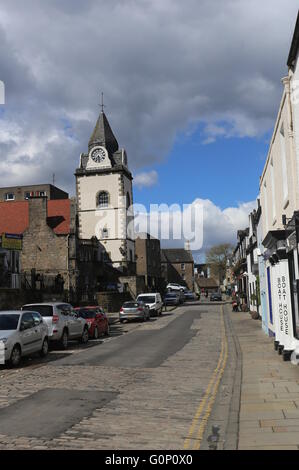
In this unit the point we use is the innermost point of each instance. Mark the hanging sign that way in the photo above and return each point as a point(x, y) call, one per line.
point(277, 320)
point(285, 306)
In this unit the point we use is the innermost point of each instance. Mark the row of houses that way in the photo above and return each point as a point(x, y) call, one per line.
point(264, 266)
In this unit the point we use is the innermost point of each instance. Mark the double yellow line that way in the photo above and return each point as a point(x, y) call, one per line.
point(204, 410)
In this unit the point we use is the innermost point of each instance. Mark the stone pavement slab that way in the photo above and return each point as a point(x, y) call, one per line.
point(269, 403)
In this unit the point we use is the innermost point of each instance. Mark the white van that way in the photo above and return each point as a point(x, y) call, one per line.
point(153, 301)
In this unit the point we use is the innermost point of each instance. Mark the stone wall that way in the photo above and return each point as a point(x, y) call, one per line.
point(43, 250)
point(133, 284)
point(11, 299)
point(112, 301)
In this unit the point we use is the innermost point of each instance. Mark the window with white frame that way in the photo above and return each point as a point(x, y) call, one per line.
point(103, 199)
point(283, 163)
point(9, 197)
point(273, 190)
point(266, 206)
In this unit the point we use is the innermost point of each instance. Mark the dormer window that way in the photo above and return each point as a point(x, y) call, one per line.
point(103, 199)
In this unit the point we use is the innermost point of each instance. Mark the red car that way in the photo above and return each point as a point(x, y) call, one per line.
point(97, 320)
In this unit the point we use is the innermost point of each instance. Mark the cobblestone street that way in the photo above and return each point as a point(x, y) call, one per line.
point(139, 389)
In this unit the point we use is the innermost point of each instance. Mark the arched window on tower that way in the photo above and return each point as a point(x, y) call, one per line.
point(103, 199)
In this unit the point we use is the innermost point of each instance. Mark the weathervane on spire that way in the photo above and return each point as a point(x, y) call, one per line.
point(102, 102)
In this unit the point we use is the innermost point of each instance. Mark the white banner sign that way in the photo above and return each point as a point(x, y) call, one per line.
point(283, 293)
point(274, 270)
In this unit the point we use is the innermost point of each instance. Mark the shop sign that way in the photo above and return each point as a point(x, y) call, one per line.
point(278, 324)
point(285, 306)
point(10, 241)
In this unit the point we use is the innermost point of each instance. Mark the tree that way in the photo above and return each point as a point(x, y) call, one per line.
point(216, 259)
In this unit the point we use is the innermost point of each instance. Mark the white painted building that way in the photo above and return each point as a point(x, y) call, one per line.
point(279, 196)
point(252, 263)
point(104, 195)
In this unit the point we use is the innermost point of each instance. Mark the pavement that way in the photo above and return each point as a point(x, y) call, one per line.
point(269, 395)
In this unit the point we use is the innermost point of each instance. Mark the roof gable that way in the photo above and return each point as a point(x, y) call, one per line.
point(176, 255)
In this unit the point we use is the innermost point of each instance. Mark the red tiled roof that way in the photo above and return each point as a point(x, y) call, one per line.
point(14, 216)
point(60, 208)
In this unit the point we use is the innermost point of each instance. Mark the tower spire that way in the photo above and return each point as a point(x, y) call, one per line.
point(102, 133)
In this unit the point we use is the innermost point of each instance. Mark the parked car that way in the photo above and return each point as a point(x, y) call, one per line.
point(216, 296)
point(63, 322)
point(96, 319)
point(23, 333)
point(189, 295)
point(172, 298)
point(133, 310)
point(171, 286)
point(153, 301)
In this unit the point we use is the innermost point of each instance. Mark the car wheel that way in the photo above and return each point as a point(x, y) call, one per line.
point(85, 336)
point(45, 348)
point(64, 340)
point(15, 357)
point(107, 332)
point(96, 333)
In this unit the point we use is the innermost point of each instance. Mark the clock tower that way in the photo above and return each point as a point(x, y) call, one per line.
point(104, 195)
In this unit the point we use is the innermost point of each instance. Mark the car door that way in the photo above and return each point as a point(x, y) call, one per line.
point(38, 321)
point(64, 311)
point(101, 320)
point(28, 333)
point(76, 323)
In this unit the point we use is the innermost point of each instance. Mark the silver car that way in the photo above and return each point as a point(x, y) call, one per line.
point(134, 310)
point(22, 333)
point(63, 322)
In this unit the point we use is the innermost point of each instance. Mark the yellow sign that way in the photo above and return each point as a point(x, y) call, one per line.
point(11, 241)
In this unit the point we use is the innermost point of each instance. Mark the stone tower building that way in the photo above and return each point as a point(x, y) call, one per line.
point(104, 195)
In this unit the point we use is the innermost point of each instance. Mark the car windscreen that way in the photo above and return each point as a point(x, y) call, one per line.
point(87, 313)
point(131, 305)
point(147, 299)
point(9, 322)
point(170, 296)
point(43, 310)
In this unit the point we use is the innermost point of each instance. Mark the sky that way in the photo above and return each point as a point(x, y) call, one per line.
point(191, 90)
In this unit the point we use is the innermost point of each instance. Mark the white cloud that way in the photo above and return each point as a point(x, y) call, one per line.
point(219, 225)
point(146, 179)
point(211, 64)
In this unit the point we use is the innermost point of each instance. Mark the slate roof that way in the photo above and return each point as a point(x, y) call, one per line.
point(295, 44)
point(176, 255)
point(206, 282)
point(14, 216)
point(103, 135)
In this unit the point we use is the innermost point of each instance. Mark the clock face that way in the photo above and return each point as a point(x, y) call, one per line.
point(98, 155)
